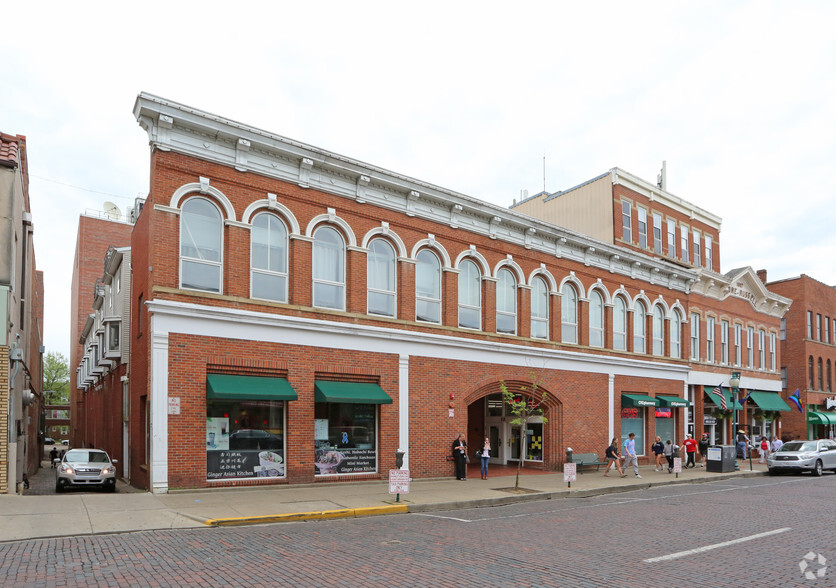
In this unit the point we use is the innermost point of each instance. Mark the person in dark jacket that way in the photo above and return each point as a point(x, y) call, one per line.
point(703, 447)
point(460, 456)
point(613, 458)
point(658, 449)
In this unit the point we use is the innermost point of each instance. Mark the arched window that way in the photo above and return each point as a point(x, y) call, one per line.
point(658, 331)
point(539, 309)
point(676, 334)
point(201, 245)
point(328, 268)
point(569, 314)
point(470, 295)
point(829, 376)
point(821, 376)
point(619, 326)
point(381, 271)
point(596, 319)
point(639, 328)
point(268, 258)
point(506, 302)
point(427, 287)
point(812, 370)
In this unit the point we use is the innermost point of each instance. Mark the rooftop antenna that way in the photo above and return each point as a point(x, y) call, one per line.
point(661, 179)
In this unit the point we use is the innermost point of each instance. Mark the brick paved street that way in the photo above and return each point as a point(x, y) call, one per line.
point(600, 541)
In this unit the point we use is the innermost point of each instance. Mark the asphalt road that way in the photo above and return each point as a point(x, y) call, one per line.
point(747, 531)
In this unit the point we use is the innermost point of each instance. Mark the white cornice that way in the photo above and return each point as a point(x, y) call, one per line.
point(176, 127)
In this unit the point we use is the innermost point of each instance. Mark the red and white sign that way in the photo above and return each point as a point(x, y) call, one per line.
point(570, 472)
point(677, 465)
point(174, 405)
point(398, 481)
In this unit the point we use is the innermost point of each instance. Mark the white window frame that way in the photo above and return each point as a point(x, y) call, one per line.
point(710, 347)
point(761, 349)
point(695, 336)
point(709, 252)
point(724, 342)
point(657, 233)
point(282, 296)
point(697, 246)
point(619, 326)
point(465, 304)
point(568, 324)
point(506, 281)
point(658, 331)
point(684, 234)
point(772, 354)
point(215, 265)
point(671, 238)
point(642, 227)
point(627, 221)
point(818, 326)
point(639, 328)
point(340, 283)
point(750, 346)
point(388, 293)
point(538, 318)
point(738, 337)
point(676, 335)
point(596, 319)
point(431, 298)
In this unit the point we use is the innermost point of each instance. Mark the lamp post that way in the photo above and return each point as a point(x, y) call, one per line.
point(734, 382)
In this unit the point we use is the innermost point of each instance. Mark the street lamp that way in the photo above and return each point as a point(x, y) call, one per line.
point(734, 382)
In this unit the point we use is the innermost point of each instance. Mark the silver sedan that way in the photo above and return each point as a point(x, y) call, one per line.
point(799, 456)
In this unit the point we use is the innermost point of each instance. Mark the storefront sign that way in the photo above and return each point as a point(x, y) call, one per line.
point(345, 461)
point(709, 420)
point(221, 465)
point(398, 481)
point(630, 413)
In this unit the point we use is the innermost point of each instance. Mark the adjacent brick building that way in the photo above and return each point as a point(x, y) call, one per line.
point(808, 355)
point(21, 329)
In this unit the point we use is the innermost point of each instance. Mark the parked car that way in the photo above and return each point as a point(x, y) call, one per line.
point(254, 439)
point(800, 456)
point(49, 441)
point(65, 442)
point(86, 467)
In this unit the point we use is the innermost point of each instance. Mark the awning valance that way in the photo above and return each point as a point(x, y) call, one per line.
point(768, 400)
point(673, 401)
point(232, 387)
point(638, 400)
point(350, 392)
point(821, 418)
point(716, 399)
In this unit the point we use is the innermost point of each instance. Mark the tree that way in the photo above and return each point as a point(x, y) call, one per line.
point(524, 405)
point(56, 378)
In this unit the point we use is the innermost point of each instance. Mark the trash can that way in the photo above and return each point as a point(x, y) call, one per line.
point(720, 459)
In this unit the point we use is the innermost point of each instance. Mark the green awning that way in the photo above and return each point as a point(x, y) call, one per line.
point(231, 387)
point(673, 401)
point(821, 418)
point(716, 399)
point(768, 400)
point(638, 400)
point(350, 392)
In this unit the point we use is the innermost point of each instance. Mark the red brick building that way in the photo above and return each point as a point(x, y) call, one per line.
point(808, 355)
point(96, 235)
point(298, 316)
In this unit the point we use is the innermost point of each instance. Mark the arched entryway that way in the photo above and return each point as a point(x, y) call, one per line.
point(538, 444)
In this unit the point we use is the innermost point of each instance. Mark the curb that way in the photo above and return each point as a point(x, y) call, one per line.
point(307, 516)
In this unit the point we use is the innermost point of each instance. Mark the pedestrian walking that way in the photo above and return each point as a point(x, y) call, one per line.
point(485, 456)
point(460, 456)
point(670, 451)
point(658, 449)
point(703, 447)
point(776, 444)
point(53, 457)
point(613, 458)
point(764, 449)
point(742, 443)
point(630, 453)
point(690, 447)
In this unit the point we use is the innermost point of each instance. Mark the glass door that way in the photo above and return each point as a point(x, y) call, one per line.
point(514, 443)
point(494, 434)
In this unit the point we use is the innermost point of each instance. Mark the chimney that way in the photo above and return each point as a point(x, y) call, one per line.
point(762, 275)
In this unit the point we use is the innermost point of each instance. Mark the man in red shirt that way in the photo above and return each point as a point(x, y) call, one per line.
point(690, 451)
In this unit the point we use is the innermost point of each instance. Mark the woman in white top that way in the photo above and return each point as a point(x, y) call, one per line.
point(486, 456)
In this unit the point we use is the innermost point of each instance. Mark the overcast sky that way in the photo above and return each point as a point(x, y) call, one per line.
point(738, 97)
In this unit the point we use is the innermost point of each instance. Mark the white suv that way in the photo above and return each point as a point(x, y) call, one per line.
point(86, 467)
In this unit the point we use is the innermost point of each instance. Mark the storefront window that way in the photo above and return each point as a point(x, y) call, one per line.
point(346, 438)
point(534, 441)
point(664, 424)
point(632, 421)
point(244, 439)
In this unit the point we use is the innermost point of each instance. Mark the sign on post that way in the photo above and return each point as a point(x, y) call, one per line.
point(570, 472)
point(398, 481)
point(677, 465)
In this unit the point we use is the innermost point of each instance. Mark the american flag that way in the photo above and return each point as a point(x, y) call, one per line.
point(719, 392)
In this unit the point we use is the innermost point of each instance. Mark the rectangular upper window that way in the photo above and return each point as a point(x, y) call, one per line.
point(626, 222)
point(671, 238)
point(695, 336)
point(642, 228)
point(697, 246)
point(709, 339)
point(684, 243)
point(709, 254)
point(657, 233)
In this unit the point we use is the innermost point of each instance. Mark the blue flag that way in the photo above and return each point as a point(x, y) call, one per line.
point(745, 398)
point(795, 397)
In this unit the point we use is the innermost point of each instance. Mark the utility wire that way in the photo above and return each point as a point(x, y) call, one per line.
point(80, 188)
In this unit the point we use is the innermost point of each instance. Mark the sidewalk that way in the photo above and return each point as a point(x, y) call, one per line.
point(86, 513)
